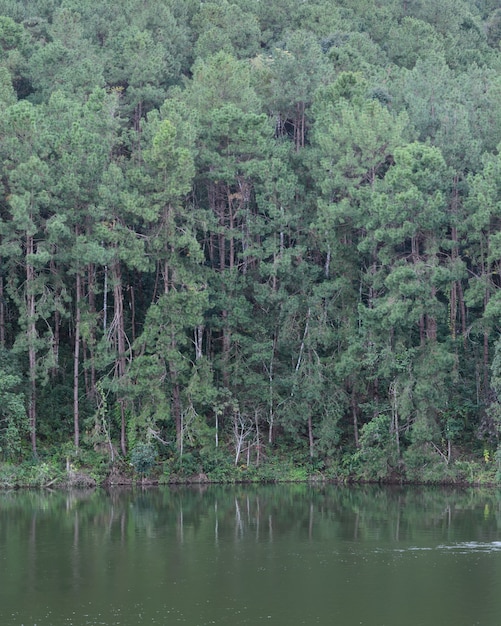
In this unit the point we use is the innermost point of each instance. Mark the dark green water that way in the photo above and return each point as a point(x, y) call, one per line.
point(281, 555)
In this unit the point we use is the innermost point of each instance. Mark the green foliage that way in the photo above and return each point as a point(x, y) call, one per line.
point(143, 458)
point(30, 474)
point(218, 465)
point(262, 237)
point(13, 420)
point(224, 26)
point(377, 454)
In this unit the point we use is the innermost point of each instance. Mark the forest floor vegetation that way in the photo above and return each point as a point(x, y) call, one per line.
point(92, 471)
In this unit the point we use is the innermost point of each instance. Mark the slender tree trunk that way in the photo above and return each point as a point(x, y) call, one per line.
point(133, 313)
point(176, 389)
point(90, 380)
point(76, 362)
point(2, 314)
point(299, 126)
point(422, 334)
point(486, 348)
point(222, 251)
point(105, 299)
point(258, 438)
point(271, 401)
point(395, 420)
point(32, 411)
point(226, 349)
point(212, 205)
point(198, 341)
point(57, 324)
point(310, 436)
point(56, 342)
point(31, 334)
point(220, 209)
point(453, 308)
point(176, 406)
point(119, 323)
point(462, 309)
point(231, 224)
point(431, 321)
point(354, 411)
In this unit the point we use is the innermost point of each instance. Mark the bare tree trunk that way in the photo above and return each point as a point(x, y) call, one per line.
point(119, 324)
point(241, 432)
point(198, 341)
point(394, 406)
point(165, 276)
point(258, 438)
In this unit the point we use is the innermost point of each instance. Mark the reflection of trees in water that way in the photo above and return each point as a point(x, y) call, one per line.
point(243, 512)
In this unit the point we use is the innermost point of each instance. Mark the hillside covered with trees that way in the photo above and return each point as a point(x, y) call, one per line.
point(251, 240)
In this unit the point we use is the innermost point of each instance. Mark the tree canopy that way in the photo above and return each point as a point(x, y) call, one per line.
point(241, 232)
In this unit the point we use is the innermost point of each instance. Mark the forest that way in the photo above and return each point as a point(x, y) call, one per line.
point(245, 240)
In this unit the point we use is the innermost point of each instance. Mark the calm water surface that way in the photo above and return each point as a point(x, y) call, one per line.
point(281, 555)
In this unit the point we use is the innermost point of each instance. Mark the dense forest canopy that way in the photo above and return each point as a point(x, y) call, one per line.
point(238, 233)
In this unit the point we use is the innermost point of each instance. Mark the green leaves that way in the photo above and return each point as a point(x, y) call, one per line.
point(224, 26)
point(13, 420)
point(258, 222)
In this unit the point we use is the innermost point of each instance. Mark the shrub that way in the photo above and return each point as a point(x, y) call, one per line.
point(143, 458)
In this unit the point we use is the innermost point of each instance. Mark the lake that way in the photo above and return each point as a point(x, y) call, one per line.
point(279, 554)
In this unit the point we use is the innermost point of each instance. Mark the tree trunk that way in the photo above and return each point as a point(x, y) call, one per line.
point(2, 314)
point(57, 321)
point(198, 341)
point(299, 126)
point(393, 392)
point(176, 407)
point(120, 365)
point(271, 400)
point(486, 348)
point(226, 349)
point(310, 436)
point(92, 332)
point(31, 335)
point(354, 411)
point(231, 224)
point(453, 308)
point(76, 362)
point(462, 309)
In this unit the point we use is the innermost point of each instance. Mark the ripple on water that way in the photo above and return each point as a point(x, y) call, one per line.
point(461, 547)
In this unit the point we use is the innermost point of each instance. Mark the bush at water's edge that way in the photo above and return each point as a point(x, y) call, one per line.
point(90, 471)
